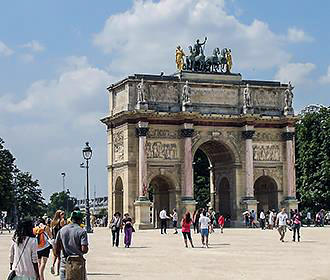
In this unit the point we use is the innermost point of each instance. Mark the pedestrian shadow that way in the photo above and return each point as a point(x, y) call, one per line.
point(102, 274)
point(220, 244)
point(308, 241)
point(139, 247)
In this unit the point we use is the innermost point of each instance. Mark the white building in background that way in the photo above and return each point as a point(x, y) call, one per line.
point(95, 204)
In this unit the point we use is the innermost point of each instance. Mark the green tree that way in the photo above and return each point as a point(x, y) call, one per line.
point(28, 196)
point(61, 201)
point(313, 160)
point(201, 179)
point(6, 177)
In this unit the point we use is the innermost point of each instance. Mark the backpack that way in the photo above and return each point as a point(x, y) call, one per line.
point(42, 237)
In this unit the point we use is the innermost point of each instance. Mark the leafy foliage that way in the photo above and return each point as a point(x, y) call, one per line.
point(28, 194)
point(201, 179)
point(61, 201)
point(313, 160)
point(6, 177)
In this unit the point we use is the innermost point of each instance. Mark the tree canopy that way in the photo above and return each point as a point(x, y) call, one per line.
point(61, 201)
point(313, 160)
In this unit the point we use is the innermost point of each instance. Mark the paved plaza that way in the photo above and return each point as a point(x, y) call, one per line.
point(236, 254)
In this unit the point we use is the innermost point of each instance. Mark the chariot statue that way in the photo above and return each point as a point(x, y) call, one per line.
point(196, 61)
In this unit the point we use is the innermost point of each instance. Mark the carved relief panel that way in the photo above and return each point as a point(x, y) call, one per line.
point(162, 150)
point(266, 152)
point(118, 146)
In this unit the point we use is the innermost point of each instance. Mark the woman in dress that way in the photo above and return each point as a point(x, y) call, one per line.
point(128, 230)
point(185, 224)
point(296, 224)
point(23, 253)
point(57, 223)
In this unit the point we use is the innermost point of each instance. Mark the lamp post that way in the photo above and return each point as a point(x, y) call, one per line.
point(63, 176)
point(67, 202)
point(87, 154)
point(16, 171)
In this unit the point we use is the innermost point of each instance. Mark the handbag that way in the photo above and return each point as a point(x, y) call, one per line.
point(12, 274)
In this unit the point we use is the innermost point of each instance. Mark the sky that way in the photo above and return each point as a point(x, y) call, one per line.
point(58, 57)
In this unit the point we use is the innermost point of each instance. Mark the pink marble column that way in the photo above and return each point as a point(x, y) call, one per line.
point(290, 164)
point(247, 135)
point(141, 132)
point(187, 190)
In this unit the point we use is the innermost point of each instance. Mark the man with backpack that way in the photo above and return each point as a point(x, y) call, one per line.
point(72, 243)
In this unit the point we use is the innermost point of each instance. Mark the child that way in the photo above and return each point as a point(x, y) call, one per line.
point(221, 222)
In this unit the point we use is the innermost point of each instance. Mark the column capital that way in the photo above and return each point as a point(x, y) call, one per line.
point(187, 132)
point(287, 135)
point(247, 134)
point(141, 131)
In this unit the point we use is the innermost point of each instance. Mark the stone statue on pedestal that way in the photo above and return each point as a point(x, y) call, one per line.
point(141, 96)
point(186, 93)
point(288, 98)
point(141, 92)
point(247, 104)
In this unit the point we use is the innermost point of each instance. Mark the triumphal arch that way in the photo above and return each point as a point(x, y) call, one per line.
point(157, 123)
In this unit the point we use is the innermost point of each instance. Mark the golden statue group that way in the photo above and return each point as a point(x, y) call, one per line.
point(219, 61)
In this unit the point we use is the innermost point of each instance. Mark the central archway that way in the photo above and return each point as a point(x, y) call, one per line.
point(161, 193)
point(218, 167)
point(266, 193)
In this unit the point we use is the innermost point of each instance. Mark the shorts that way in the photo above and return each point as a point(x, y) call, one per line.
point(175, 224)
point(44, 252)
point(204, 232)
point(186, 235)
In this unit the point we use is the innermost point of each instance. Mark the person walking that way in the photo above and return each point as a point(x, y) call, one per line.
point(270, 219)
point(56, 224)
point(296, 224)
point(262, 218)
point(42, 232)
point(281, 222)
point(204, 223)
point(163, 221)
point(115, 226)
point(128, 230)
point(196, 217)
point(72, 243)
point(185, 224)
point(309, 218)
point(174, 217)
point(221, 222)
point(253, 219)
point(23, 252)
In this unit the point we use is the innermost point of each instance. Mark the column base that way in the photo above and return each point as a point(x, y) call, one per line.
point(141, 105)
point(289, 203)
point(142, 214)
point(186, 107)
point(249, 203)
point(188, 204)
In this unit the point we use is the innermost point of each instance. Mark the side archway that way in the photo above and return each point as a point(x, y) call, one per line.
point(224, 197)
point(266, 193)
point(118, 196)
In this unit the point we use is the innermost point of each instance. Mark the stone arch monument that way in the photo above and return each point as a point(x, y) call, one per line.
point(243, 126)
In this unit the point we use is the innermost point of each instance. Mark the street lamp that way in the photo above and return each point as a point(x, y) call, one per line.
point(63, 176)
point(16, 171)
point(87, 154)
point(67, 202)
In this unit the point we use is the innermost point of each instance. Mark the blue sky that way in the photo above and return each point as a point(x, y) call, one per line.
point(57, 58)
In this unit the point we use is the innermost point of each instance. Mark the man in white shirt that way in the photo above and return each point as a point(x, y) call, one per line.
point(281, 220)
point(204, 223)
point(163, 218)
point(270, 219)
point(262, 218)
point(175, 221)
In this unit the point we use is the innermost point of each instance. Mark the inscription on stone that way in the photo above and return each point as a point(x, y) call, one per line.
point(267, 98)
point(118, 146)
point(159, 150)
point(267, 136)
point(163, 133)
point(264, 152)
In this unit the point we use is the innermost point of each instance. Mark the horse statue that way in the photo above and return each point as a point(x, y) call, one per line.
point(212, 63)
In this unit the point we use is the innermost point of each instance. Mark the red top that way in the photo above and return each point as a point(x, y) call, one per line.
point(185, 226)
point(221, 220)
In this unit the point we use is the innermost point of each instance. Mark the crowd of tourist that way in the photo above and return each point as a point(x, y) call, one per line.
point(67, 239)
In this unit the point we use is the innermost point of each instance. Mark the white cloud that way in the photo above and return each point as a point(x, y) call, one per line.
point(295, 72)
point(296, 35)
point(27, 57)
point(144, 38)
point(5, 50)
point(34, 45)
point(326, 78)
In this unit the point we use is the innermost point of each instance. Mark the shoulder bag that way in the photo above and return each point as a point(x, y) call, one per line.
point(12, 274)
